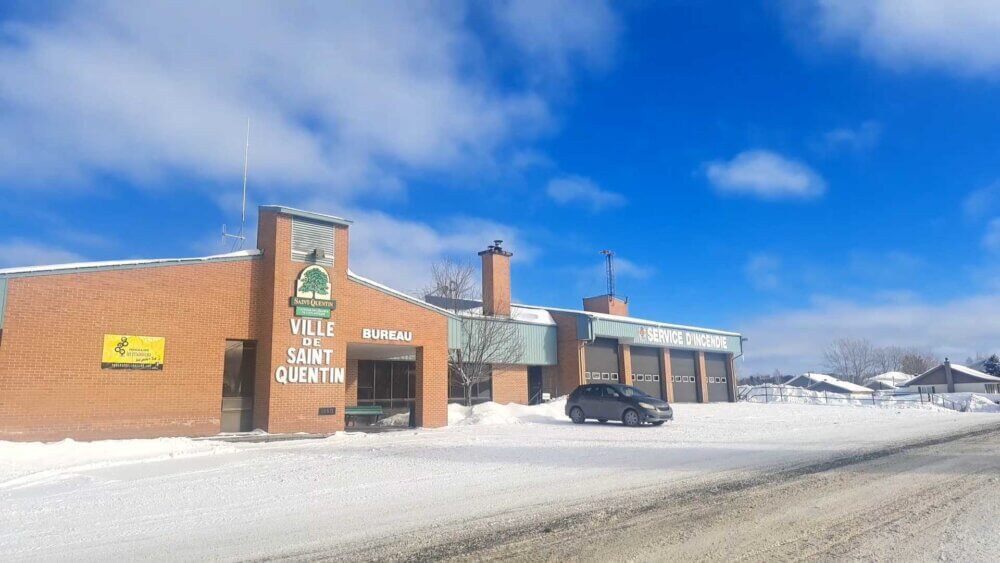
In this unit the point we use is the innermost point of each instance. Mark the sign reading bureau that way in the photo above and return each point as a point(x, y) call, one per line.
point(123, 351)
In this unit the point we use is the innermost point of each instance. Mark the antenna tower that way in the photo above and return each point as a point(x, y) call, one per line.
point(610, 255)
point(239, 238)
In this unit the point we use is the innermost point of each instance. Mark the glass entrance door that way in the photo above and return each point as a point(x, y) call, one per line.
point(238, 374)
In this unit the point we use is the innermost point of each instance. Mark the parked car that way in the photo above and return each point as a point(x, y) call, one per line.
point(606, 402)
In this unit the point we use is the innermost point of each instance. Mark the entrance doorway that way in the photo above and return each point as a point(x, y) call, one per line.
point(535, 384)
point(238, 374)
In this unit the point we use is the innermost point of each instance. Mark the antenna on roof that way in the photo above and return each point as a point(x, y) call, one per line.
point(239, 238)
point(610, 255)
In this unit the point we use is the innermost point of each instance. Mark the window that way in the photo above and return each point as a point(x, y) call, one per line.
point(586, 375)
point(606, 376)
point(614, 377)
point(239, 368)
point(481, 392)
point(656, 377)
point(390, 384)
point(993, 387)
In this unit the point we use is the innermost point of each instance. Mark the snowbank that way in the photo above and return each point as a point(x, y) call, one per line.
point(495, 413)
point(25, 463)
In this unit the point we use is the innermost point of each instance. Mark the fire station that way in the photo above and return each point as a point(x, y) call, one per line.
point(286, 338)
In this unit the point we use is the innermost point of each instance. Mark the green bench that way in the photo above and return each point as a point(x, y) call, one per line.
point(364, 410)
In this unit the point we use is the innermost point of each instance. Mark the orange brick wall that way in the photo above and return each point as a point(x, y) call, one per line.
point(510, 384)
point(294, 407)
point(606, 304)
point(51, 382)
point(496, 283)
point(52, 385)
point(569, 353)
point(351, 388)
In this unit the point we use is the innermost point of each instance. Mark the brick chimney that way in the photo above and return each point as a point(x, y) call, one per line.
point(496, 280)
point(607, 304)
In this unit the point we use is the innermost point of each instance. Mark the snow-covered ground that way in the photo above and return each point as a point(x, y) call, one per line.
point(189, 499)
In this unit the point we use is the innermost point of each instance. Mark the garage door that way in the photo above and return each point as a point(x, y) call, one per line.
point(602, 362)
point(718, 377)
point(683, 371)
point(646, 372)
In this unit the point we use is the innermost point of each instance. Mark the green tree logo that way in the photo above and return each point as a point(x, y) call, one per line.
point(315, 281)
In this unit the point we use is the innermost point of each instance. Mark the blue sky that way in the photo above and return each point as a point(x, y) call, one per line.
point(799, 171)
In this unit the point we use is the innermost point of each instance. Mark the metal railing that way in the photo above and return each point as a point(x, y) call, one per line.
point(768, 393)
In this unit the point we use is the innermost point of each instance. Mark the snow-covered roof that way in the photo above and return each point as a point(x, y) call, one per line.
point(974, 372)
point(633, 320)
point(530, 315)
point(122, 264)
point(847, 386)
point(959, 368)
point(396, 293)
point(817, 378)
point(474, 308)
point(894, 378)
point(814, 378)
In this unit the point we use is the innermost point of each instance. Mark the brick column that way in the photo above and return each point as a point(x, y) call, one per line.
point(625, 363)
point(667, 374)
point(431, 379)
point(702, 379)
point(510, 383)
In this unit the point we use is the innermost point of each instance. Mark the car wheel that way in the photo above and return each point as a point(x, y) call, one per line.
point(576, 415)
point(630, 418)
point(602, 420)
point(657, 423)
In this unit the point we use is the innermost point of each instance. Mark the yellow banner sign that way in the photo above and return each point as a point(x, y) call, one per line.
point(123, 351)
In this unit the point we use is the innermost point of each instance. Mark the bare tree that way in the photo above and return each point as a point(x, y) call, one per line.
point(484, 341)
point(888, 358)
point(916, 362)
point(851, 359)
point(455, 282)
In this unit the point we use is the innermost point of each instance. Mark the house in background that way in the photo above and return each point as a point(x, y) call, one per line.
point(827, 383)
point(953, 378)
point(888, 381)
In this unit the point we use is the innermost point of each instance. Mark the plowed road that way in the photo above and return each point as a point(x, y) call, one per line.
point(924, 501)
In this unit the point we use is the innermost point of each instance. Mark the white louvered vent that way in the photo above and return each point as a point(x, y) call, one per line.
point(310, 236)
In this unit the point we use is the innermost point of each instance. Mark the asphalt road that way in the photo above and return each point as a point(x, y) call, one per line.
point(926, 501)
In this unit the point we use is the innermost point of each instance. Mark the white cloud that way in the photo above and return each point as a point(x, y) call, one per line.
point(587, 35)
point(991, 240)
point(19, 252)
point(762, 270)
point(343, 96)
point(765, 174)
point(861, 138)
point(958, 35)
point(982, 202)
point(794, 340)
point(400, 252)
point(577, 189)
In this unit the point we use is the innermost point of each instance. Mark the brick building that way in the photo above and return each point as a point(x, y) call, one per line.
point(286, 338)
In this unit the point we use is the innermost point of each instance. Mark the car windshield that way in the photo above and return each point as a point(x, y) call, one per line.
point(630, 391)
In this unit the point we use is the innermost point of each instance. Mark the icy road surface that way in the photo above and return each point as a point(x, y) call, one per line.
point(181, 499)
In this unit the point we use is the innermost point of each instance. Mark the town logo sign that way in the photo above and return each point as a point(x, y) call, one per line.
point(313, 294)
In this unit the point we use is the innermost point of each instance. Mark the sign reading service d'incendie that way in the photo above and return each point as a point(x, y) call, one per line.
point(125, 351)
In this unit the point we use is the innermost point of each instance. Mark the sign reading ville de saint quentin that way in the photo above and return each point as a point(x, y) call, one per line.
point(311, 362)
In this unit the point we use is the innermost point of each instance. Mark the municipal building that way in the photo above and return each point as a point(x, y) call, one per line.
point(287, 339)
